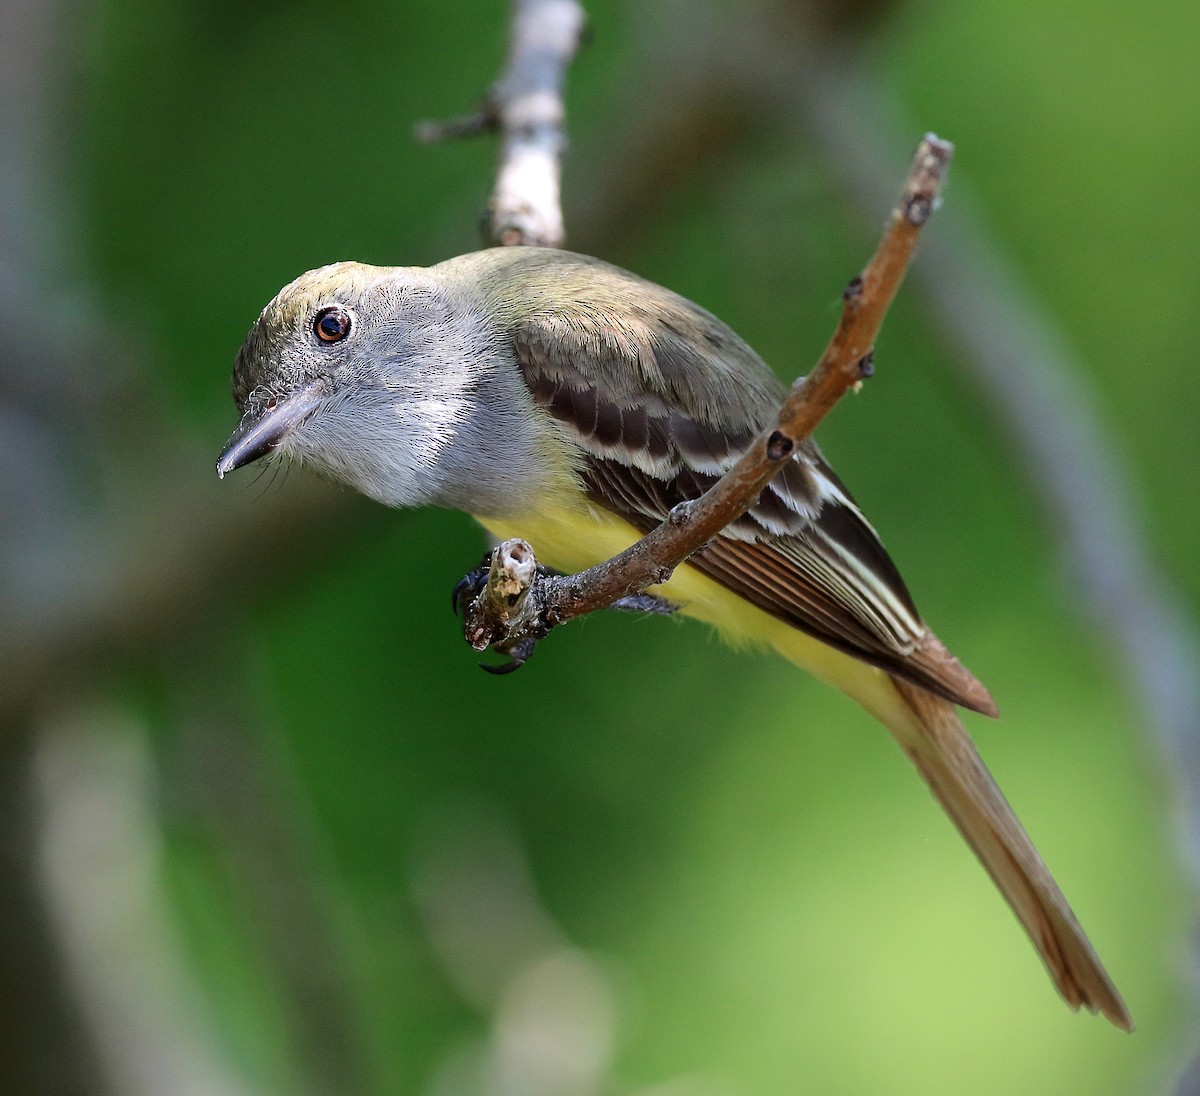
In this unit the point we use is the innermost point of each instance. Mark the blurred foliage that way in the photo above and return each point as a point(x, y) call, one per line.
point(776, 901)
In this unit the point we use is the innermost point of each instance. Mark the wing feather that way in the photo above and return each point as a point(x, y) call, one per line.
point(658, 425)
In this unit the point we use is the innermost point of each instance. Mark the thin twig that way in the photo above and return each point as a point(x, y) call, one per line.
point(847, 360)
point(526, 105)
point(483, 120)
point(528, 98)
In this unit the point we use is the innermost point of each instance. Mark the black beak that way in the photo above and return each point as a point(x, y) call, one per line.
point(257, 435)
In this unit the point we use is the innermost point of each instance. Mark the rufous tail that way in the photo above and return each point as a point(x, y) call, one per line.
point(945, 756)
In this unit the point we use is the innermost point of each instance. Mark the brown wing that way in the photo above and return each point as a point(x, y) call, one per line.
point(658, 426)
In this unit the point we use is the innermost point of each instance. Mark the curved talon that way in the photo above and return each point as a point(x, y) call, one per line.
point(520, 655)
point(499, 668)
point(470, 584)
point(456, 595)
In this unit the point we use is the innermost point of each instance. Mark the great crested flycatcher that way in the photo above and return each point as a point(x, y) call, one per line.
point(558, 398)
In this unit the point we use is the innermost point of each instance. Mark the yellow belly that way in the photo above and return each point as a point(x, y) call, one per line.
point(570, 540)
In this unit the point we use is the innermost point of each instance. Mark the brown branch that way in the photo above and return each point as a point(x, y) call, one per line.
point(506, 618)
point(526, 105)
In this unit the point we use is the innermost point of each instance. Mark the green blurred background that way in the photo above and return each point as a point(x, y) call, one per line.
point(267, 827)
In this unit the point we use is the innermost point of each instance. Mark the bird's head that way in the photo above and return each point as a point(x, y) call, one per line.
point(359, 371)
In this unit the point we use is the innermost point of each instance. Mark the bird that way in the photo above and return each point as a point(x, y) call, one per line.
point(561, 399)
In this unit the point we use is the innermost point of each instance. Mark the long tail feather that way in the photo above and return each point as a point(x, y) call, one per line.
point(946, 758)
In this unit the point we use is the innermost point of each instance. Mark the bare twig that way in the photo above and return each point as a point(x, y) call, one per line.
point(553, 600)
point(483, 120)
point(528, 99)
point(526, 105)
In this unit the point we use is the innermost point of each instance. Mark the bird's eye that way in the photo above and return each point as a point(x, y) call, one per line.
point(332, 324)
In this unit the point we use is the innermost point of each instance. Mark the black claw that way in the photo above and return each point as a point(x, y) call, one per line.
point(456, 597)
point(520, 653)
point(467, 587)
point(498, 668)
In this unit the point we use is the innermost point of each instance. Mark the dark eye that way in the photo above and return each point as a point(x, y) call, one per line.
point(332, 324)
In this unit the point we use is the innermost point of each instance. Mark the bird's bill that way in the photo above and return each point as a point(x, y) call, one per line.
point(257, 435)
